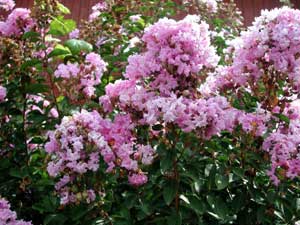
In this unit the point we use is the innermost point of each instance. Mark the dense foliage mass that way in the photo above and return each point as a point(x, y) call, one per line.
point(135, 117)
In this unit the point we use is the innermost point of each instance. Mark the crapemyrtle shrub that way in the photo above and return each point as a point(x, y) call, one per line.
point(136, 117)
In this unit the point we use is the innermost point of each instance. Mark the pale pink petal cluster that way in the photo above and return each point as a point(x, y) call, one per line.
point(175, 53)
point(283, 146)
point(97, 9)
point(17, 22)
point(9, 217)
point(211, 5)
point(268, 52)
point(135, 18)
point(270, 46)
point(40, 104)
point(2, 93)
point(74, 34)
point(183, 45)
point(78, 143)
point(82, 78)
point(7, 4)
point(161, 83)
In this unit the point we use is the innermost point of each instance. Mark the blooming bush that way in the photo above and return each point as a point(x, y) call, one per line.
point(134, 117)
point(9, 217)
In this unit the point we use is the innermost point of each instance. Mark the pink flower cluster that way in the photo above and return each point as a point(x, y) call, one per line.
point(211, 5)
point(175, 53)
point(161, 84)
point(135, 18)
point(39, 103)
point(74, 34)
point(97, 9)
point(283, 146)
point(17, 22)
point(207, 117)
point(269, 52)
point(184, 46)
point(8, 217)
point(2, 93)
point(82, 77)
point(7, 4)
point(77, 144)
point(270, 47)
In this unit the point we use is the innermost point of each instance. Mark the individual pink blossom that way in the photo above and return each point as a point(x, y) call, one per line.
point(211, 5)
point(17, 22)
point(7, 4)
point(74, 34)
point(97, 9)
point(135, 18)
point(91, 196)
point(137, 179)
point(40, 104)
point(8, 217)
point(2, 93)
point(68, 70)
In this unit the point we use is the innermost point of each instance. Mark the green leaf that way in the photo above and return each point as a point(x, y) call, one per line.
point(283, 118)
point(76, 46)
point(30, 63)
point(175, 218)
point(19, 173)
point(219, 208)
point(298, 204)
point(61, 26)
point(59, 50)
point(196, 204)
point(221, 181)
point(37, 140)
point(55, 219)
point(47, 204)
point(36, 88)
point(169, 191)
point(239, 172)
point(63, 8)
point(238, 202)
point(31, 35)
point(79, 212)
point(60, 98)
point(166, 161)
point(146, 208)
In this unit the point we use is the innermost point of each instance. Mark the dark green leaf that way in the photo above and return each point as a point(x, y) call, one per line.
point(197, 204)
point(76, 46)
point(31, 35)
point(36, 88)
point(166, 161)
point(169, 191)
point(19, 173)
point(219, 208)
point(221, 181)
point(30, 63)
point(55, 219)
